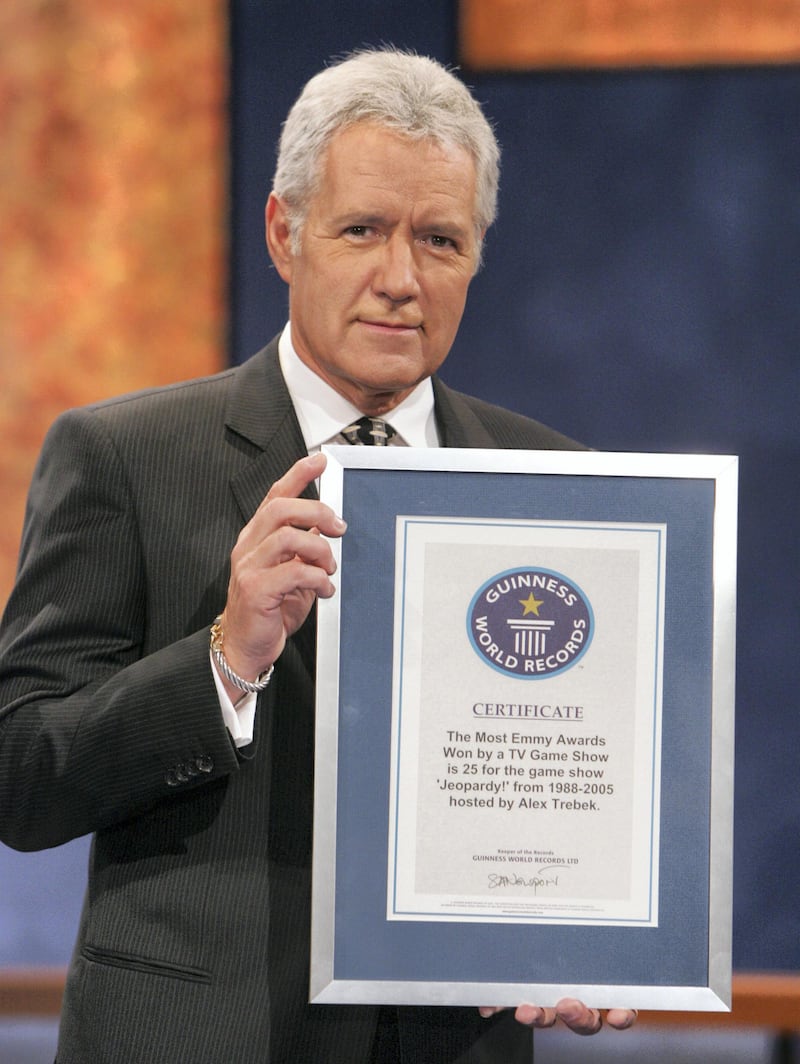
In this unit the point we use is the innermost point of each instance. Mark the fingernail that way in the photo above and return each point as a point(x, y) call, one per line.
point(341, 525)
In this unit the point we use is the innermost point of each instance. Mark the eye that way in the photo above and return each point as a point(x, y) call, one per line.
point(440, 242)
point(358, 232)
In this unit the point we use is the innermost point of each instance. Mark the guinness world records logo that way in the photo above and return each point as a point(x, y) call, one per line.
point(530, 623)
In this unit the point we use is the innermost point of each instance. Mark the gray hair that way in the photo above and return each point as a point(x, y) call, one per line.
point(410, 94)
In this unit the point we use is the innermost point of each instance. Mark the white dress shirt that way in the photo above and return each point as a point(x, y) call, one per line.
point(322, 413)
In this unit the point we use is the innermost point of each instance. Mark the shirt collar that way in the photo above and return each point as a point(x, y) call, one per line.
point(322, 412)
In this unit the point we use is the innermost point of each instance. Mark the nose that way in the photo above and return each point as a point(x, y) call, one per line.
point(396, 274)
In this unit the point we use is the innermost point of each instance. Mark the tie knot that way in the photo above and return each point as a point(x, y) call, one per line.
point(369, 432)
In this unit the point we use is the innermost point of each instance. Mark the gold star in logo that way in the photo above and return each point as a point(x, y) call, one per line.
point(531, 605)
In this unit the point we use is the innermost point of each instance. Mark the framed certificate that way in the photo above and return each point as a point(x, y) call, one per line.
point(524, 750)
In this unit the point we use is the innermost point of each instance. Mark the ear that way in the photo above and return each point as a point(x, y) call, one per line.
point(276, 219)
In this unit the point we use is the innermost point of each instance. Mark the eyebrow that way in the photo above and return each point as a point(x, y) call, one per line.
point(358, 217)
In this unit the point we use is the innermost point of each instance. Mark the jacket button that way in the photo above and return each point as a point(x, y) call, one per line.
point(205, 764)
point(171, 778)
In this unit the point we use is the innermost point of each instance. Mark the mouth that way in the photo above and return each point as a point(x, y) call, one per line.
point(393, 327)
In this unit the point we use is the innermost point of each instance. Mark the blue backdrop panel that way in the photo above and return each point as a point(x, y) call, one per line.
point(639, 293)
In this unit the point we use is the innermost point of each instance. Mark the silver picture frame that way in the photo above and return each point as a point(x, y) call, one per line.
point(391, 923)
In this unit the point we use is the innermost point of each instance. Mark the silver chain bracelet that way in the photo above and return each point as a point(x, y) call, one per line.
point(252, 687)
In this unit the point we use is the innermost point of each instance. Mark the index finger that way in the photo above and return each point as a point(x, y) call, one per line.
point(296, 479)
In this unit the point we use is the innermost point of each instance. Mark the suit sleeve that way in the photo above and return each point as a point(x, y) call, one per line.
point(92, 731)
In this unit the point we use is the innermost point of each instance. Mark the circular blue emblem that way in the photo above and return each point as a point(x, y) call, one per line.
point(530, 623)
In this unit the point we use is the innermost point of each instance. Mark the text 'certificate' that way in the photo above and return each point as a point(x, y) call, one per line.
point(526, 721)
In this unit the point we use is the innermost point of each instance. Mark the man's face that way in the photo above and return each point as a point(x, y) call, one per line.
point(387, 252)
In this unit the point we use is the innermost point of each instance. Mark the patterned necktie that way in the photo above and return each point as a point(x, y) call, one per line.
point(369, 432)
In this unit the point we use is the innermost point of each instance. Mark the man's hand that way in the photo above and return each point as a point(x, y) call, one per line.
point(280, 563)
point(577, 1016)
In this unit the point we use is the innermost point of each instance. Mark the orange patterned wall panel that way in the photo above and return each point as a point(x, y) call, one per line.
point(112, 211)
point(528, 34)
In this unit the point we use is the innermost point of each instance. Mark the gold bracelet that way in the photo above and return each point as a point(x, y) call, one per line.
point(252, 687)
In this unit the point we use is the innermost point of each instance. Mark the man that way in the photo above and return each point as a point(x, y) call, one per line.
point(152, 515)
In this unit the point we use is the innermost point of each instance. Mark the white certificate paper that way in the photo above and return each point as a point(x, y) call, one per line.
point(526, 721)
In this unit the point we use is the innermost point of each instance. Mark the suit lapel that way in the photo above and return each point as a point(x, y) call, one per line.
point(260, 411)
point(458, 426)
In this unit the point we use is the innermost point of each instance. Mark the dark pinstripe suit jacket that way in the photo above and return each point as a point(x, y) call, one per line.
point(193, 944)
